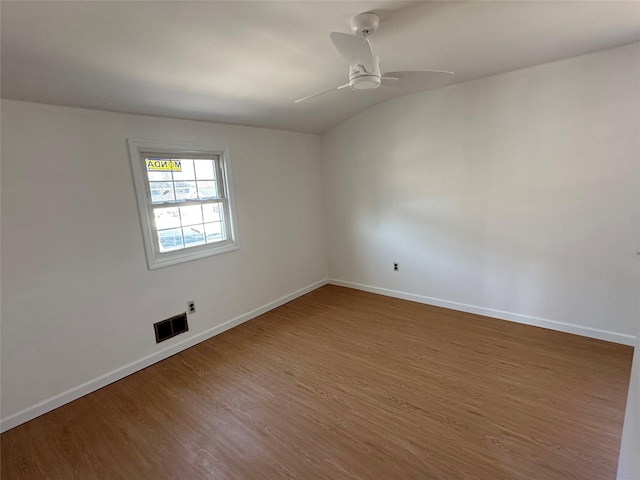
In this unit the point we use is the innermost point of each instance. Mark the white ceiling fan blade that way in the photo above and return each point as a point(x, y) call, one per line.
point(417, 81)
point(354, 49)
point(321, 93)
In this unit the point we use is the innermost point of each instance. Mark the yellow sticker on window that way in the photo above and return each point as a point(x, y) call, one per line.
point(163, 165)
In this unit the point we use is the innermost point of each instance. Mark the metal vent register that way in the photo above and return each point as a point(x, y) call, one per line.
point(171, 327)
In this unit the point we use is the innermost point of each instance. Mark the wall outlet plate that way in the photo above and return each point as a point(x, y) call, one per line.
point(191, 306)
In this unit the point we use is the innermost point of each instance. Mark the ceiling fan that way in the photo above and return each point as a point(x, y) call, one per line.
point(364, 65)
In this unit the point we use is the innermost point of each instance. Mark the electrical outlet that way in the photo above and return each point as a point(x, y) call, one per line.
point(395, 266)
point(191, 305)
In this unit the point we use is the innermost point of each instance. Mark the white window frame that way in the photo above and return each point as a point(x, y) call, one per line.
point(138, 148)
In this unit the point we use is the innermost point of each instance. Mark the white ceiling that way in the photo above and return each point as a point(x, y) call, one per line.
point(246, 62)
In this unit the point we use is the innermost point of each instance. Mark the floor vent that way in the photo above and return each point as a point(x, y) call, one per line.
point(171, 327)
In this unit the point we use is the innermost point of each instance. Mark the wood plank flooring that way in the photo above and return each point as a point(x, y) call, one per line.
point(342, 384)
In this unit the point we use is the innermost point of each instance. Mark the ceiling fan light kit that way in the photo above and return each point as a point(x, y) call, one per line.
point(360, 79)
point(364, 65)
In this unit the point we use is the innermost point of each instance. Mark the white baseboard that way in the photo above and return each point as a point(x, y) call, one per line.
point(104, 380)
point(499, 314)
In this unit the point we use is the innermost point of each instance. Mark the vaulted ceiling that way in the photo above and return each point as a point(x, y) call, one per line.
point(246, 62)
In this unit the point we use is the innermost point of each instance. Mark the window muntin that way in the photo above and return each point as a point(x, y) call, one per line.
point(185, 201)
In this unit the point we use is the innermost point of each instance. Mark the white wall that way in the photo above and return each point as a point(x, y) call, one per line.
point(514, 196)
point(78, 301)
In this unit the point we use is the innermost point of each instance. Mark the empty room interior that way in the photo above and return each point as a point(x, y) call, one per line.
point(320, 240)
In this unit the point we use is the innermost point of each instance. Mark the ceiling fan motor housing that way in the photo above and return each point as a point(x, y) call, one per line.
point(361, 79)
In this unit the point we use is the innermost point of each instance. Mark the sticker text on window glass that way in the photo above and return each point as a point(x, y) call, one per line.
point(163, 165)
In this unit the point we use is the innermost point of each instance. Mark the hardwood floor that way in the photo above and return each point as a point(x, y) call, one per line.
point(342, 384)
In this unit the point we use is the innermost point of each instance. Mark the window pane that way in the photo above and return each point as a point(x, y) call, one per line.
point(191, 215)
point(211, 212)
point(170, 239)
point(207, 189)
point(159, 176)
point(214, 231)
point(204, 169)
point(193, 235)
point(167, 218)
point(187, 170)
point(161, 192)
point(186, 190)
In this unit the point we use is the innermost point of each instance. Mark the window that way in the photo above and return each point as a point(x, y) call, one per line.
point(185, 200)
